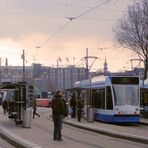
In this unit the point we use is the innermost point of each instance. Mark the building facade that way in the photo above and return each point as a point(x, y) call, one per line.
point(47, 79)
point(44, 78)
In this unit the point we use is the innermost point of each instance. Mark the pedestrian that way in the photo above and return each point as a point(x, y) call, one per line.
point(79, 109)
point(73, 105)
point(59, 111)
point(35, 109)
point(5, 106)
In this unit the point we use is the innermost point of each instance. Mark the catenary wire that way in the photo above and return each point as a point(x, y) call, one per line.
point(99, 5)
point(71, 19)
point(58, 31)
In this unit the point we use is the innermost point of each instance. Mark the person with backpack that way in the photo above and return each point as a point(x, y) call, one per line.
point(59, 111)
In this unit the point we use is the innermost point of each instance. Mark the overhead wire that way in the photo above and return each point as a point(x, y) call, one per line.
point(93, 8)
point(58, 31)
point(55, 17)
point(71, 19)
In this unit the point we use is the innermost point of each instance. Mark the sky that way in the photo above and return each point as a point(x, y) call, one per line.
point(49, 29)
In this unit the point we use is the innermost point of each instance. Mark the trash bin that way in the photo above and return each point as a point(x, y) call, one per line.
point(90, 114)
point(27, 116)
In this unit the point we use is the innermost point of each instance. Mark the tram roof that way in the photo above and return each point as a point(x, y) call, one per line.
point(98, 81)
point(86, 83)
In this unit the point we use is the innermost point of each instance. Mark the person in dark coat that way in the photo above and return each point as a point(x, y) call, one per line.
point(79, 109)
point(73, 105)
point(59, 111)
point(5, 106)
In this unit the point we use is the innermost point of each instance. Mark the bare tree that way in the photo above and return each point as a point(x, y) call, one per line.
point(131, 31)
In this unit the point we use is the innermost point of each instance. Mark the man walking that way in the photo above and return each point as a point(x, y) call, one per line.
point(58, 112)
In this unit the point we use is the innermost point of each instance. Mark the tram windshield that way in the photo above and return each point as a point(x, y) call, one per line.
point(126, 94)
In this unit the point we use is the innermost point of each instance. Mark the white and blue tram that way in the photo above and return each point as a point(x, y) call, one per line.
point(144, 97)
point(114, 98)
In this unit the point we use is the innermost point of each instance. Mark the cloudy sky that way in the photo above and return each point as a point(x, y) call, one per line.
point(43, 28)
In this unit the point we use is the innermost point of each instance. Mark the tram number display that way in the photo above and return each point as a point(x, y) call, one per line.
point(125, 80)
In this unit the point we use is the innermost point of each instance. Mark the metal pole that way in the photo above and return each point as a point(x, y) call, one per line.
point(87, 70)
point(23, 57)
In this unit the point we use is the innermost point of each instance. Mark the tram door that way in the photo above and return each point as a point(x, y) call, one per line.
point(98, 98)
point(144, 101)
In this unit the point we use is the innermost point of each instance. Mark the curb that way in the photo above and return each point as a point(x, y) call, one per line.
point(16, 140)
point(109, 132)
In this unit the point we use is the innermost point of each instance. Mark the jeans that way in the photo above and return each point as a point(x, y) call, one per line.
point(58, 120)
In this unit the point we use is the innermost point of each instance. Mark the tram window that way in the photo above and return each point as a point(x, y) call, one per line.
point(144, 97)
point(98, 97)
point(125, 80)
point(109, 102)
point(103, 98)
point(93, 98)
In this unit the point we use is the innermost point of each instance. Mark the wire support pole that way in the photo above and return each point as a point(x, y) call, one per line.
point(23, 57)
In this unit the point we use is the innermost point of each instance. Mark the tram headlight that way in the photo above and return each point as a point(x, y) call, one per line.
point(122, 112)
point(137, 109)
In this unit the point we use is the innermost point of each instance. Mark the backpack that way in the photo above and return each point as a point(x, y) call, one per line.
point(58, 106)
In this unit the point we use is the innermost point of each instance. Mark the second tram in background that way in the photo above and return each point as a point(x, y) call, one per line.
point(114, 98)
point(144, 98)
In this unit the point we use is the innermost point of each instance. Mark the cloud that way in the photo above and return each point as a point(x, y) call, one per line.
point(27, 24)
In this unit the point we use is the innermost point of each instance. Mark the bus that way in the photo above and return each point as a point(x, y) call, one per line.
point(43, 102)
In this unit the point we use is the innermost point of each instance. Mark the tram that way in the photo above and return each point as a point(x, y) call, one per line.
point(114, 98)
point(144, 98)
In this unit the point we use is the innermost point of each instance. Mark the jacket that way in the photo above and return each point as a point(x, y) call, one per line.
point(58, 105)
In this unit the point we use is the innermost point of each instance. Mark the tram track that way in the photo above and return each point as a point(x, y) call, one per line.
point(90, 132)
point(126, 131)
point(136, 132)
point(112, 132)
